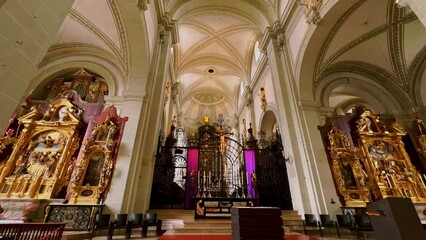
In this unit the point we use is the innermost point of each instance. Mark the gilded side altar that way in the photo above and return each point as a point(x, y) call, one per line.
point(369, 160)
point(40, 163)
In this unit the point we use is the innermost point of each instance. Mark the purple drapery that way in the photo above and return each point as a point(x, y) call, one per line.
point(191, 176)
point(250, 168)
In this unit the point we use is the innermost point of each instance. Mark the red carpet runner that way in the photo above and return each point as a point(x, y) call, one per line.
point(226, 237)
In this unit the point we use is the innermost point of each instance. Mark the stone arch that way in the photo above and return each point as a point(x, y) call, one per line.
point(311, 48)
point(357, 90)
point(418, 78)
point(112, 76)
point(267, 123)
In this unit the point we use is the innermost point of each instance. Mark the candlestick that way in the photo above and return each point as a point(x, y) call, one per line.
point(421, 180)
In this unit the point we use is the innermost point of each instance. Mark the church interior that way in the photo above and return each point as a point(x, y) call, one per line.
point(315, 107)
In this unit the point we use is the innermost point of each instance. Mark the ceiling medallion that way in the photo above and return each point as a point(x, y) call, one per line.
point(208, 98)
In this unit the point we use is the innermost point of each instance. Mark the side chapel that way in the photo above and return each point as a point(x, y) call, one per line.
point(61, 148)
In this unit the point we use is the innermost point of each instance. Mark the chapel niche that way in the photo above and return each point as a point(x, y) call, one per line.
point(60, 144)
point(38, 165)
point(93, 172)
point(369, 160)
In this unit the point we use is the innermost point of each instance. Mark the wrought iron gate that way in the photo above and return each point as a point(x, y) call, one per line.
point(272, 180)
point(168, 185)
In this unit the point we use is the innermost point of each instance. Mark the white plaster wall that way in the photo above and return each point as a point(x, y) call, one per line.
point(296, 37)
point(26, 31)
point(124, 167)
point(283, 4)
point(151, 26)
point(419, 8)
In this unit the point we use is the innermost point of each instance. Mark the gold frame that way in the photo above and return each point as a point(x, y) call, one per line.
point(87, 194)
point(343, 154)
point(36, 184)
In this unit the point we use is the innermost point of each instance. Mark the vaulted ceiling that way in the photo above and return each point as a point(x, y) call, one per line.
point(213, 56)
point(216, 43)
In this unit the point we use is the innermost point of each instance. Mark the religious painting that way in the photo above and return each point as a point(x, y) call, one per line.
point(348, 171)
point(381, 150)
point(42, 153)
point(93, 172)
point(347, 174)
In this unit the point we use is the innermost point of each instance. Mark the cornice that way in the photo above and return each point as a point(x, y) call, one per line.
point(59, 51)
point(170, 25)
point(270, 32)
point(309, 105)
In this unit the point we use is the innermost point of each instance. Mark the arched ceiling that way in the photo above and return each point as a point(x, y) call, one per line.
point(97, 24)
point(374, 39)
point(212, 56)
point(216, 41)
point(214, 52)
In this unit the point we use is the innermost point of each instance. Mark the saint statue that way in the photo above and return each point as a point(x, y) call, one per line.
point(206, 119)
point(254, 183)
point(244, 126)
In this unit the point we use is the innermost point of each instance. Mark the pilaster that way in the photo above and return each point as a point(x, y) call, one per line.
point(129, 105)
point(309, 173)
point(152, 109)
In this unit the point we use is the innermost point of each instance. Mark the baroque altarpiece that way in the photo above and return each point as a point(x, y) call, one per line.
point(369, 160)
point(61, 144)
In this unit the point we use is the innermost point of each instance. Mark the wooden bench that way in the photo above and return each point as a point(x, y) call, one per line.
point(29, 231)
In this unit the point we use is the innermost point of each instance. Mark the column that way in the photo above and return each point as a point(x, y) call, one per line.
point(129, 106)
point(298, 124)
point(152, 109)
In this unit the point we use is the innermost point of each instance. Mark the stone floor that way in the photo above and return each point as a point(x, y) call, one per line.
point(170, 235)
point(181, 225)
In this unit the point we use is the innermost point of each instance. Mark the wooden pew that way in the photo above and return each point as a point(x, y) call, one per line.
point(28, 231)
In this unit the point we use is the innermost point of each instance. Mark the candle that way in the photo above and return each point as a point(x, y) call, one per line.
point(198, 177)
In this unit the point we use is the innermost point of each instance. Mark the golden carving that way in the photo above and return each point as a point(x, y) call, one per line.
point(36, 167)
point(93, 172)
point(386, 162)
point(350, 177)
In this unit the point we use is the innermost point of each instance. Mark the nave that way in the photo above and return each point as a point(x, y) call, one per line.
point(181, 225)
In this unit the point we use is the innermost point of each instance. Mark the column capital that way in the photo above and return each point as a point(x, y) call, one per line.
point(276, 34)
point(309, 105)
point(169, 25)
point(312, 9)
point(142, 5)
point(133, 95)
